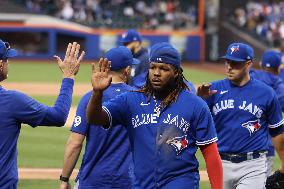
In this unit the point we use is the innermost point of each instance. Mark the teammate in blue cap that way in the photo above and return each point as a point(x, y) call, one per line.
point(269, 74)
point(165, 122)
point(107, 159)
point(245, 111)
point(17, 108)
point(133, 40)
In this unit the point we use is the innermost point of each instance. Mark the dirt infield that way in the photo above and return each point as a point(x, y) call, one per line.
point(53, 174)
point(45, 89)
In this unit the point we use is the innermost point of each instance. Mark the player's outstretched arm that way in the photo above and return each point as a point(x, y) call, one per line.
point(101, 80)
point(213, 165)
point(72, 152)
point(204, 91)
point(57, 115)
point(71, 63)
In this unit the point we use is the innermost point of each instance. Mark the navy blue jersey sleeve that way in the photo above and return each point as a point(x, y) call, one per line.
point(80, 124)
point(205, 132)
point(274, 113)
point(29, 111)
point(117, 109)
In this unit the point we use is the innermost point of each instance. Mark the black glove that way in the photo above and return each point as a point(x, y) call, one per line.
point(275, 181)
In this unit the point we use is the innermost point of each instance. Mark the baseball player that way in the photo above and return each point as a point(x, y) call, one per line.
point(165, 122)
point(17, 108)
point(107, 158)
point(245, 112)
point(133, 40)
point(270, 63)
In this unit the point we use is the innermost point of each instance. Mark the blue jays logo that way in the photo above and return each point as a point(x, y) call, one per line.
point(234, 49)
point(179, 143)
point(252, 126)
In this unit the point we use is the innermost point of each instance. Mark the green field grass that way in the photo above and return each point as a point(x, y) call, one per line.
point(49, 72)
point(50, 100)
point(42, 147)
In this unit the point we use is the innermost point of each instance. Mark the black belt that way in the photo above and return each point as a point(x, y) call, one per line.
point(237, 158)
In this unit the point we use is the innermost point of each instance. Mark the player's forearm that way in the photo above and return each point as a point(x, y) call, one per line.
point(278, 142)
point(57, 115)
point(71, 155)
point(94, 108)
point(213, 165)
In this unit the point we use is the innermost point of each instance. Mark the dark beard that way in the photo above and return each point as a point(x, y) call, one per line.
point(165, 91)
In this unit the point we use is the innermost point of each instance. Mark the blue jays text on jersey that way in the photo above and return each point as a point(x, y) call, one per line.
point(243, 115)
point(107, 160)
point(244, 105)
point(163, 141)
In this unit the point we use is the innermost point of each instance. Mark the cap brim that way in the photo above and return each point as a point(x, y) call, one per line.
point(227, 57)
point(11, 53)
point(135, 61)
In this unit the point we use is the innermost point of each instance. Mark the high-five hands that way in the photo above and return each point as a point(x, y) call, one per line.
point(71, 63)
point(101, 78)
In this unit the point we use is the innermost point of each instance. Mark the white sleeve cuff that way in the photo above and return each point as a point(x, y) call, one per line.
point(277, 124)
point(206, 142)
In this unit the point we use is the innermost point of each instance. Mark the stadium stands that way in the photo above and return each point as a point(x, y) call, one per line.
point(264, 19)
point(141, 14)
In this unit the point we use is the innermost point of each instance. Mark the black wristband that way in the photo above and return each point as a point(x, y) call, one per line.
point(64, 179)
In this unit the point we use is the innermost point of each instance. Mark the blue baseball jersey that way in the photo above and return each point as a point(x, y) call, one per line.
point(243, 115)
point(107, 159)
point(17, 108)
point(276, 83)
point(140, 70)
point(164, 142)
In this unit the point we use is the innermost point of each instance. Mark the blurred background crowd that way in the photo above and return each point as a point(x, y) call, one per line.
point(142, 14)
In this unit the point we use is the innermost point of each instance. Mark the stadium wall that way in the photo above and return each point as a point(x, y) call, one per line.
point(43, 41)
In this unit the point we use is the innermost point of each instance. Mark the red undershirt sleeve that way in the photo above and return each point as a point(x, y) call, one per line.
point(213, 165)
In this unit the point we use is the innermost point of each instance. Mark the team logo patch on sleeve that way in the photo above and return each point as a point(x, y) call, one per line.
point(179, 143)
point(77, 121)
point(252, 126)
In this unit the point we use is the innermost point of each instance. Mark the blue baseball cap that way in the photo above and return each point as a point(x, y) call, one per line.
point(239, 52)
point(165, 53)
point(120, 58)
point(130, 36)
point(271, 59)
point(5, 51)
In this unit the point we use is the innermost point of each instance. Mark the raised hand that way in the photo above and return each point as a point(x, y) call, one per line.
point(71, 63)
point(204, 91)
point(101, 78)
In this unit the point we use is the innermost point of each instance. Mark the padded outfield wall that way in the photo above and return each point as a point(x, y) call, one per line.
point(43, 41)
